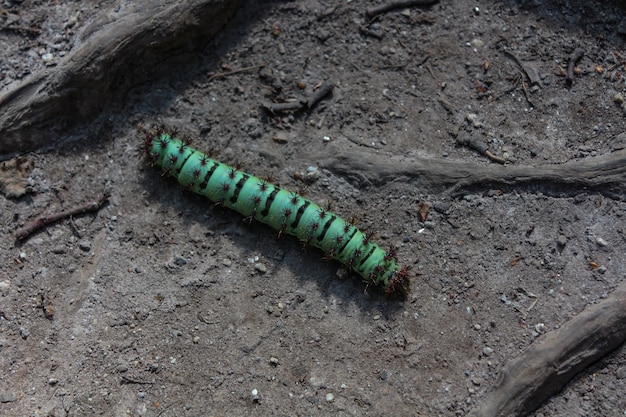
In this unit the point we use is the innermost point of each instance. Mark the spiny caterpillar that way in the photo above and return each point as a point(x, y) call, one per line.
point(283, 210)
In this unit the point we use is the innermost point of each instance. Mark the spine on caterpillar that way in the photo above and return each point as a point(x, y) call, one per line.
point(285, 211)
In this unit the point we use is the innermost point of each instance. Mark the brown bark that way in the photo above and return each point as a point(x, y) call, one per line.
point(115, 52)
point(554, 359)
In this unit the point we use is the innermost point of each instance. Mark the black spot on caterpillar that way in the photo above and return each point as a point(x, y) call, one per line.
point(285, 211)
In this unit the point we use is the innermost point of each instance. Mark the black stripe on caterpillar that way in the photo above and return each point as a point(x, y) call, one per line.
point(285, 211)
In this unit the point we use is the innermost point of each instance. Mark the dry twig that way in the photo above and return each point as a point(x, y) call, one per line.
point(237, 71)
point(308, 103)
point(479, 146)
point(43, 221)
point(573, 59)
point(397, 4)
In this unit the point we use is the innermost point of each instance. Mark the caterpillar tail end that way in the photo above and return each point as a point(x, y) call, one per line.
point(399, 284)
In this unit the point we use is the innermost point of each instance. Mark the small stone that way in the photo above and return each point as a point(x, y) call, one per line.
point(47, 58)
point(330, 397)
point(487, 351)
point(4, 285)
point(176, 262)
point(274, 361)
point(473, 119)
point(7, 397)
point(601, 242)
point(561, 241)
point(621, 373)
point(254, 394)
point(429, 224)
point(477, 43)
point(59, 250)
point(71, 22)
point(24, 333)
point(540, 328)
point(53, 381)
point(84, 245)
point(196, 339)
point(260, 268)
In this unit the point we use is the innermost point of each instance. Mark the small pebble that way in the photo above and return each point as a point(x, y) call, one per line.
point(487, 351)
point(84, 245)
point(601, 242)
point(47, 58)
point(7, 397)
point(274, 361)
point(330, 397)
point(473, 119)
point(477, 43)
point(71, 22)
point(621, 373)
point(260, 268)
point(24, 333)
point(540, 328)
point(59, 250)
point(254, 395)
point(53, 381)
point(561, 241)
point(4, 285)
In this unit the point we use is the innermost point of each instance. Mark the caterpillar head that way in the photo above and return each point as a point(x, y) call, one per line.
point(399, 284)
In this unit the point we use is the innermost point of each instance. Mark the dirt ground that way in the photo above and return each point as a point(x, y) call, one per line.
point(161, 304)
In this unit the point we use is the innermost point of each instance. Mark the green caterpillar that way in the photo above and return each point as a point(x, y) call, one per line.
point(283, 210)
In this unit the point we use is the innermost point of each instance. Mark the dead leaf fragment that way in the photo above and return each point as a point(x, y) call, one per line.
point(423, 210)
point(14, 175)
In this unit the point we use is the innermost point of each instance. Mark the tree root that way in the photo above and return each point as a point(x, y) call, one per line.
point(119, 50)
point(554, 359)
point(605, 174)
